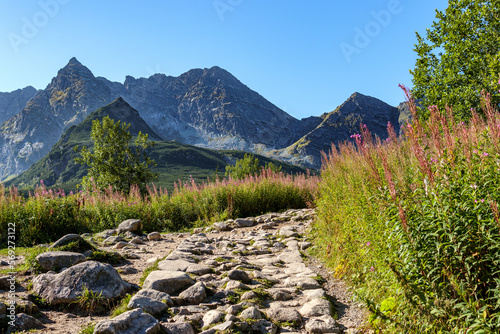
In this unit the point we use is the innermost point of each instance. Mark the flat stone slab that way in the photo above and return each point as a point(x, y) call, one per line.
point(131, 322)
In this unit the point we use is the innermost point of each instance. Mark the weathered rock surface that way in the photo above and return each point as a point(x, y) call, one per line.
point(170, 282)
point(68, 285)
point(130, 225)
point(131, 322)
point(24, 322)
point(58, 260)
point(152, 301)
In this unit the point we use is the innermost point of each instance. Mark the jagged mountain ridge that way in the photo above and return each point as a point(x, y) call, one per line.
point(174, 160)
point(13, 102)
point(338, 125)
point(205, 107)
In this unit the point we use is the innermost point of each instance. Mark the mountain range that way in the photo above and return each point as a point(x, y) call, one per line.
point(207, 108)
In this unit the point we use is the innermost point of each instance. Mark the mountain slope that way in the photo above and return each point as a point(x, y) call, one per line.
point(175, 160)
point(13, 102)
point(67, 100)
point(338, 125)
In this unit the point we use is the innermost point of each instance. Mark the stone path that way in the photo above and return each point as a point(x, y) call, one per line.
point(239, 276)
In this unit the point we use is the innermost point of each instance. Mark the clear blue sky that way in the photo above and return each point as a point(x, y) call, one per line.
point(306, 57)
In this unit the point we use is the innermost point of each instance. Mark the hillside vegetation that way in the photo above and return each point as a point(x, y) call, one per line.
point(413, 222)
point(46, 215)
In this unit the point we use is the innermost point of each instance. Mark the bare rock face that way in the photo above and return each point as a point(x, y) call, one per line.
point(131, 322)
point(13, 102)
point(67, 286)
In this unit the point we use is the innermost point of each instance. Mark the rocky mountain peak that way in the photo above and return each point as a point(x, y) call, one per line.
point(73, 73)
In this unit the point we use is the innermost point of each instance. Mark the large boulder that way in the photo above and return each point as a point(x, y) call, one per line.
point(131, 322)
point(152, 301)
point(58, 260)
point(67, 286)
point(169, 282)
point(67, 239)
point(130, 225)
point(194, 294)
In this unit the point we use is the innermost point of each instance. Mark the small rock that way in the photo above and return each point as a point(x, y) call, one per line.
point(264, 327)
point(323, 324)
point(6, 282)
point(151, 301)
point(170, 282)
point(244, 222)
point(239, 275)
point(222, 226)
point(251, 313)
point(305, 245)
point(130, 225)
point(194, 294)
point(131, 322)
point(316, 307)
point(212, 317)
point(137, 241)
point(224, 326)
point(112, 240)
point(284, 315)
point(313, 294)
point(249, 295)
point(154, 236)
point(234, 285)
point(177, 328)
point(68, 238)
point(120, 245)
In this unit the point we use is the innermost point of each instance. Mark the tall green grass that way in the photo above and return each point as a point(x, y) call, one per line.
point(47, 215)
point(413, 223)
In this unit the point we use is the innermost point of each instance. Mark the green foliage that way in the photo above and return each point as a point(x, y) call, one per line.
point(459, 57)
point(122, 307)
point(87, 329)
point(414, 224)
point(249, 165)
point(113, 258)
point(113, 162)
point(92, 301)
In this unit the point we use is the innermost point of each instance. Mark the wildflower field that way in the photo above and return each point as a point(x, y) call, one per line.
point(413, 222)
point(46, 215)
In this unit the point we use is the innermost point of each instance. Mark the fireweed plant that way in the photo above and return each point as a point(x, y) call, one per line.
point(414, 222)
point(46, 215)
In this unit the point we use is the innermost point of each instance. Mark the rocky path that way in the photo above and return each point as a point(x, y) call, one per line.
point(249, 275)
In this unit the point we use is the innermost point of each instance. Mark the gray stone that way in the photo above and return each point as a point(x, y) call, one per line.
point(194, 294)
point(291, 257)
point(248, 295)
point(234, 309)
point(130, 225)
point(68, 238)
point(120, 245)
point(264, 327)
point(316, 308)
point(153, 236)
point(313, 294)
point(137, 241)
point(170, 282)
point(212, 317)
point(305, 245)
point(323, 324)
point(302, 283)
point(198, 269)
point(58, 260)
point(174, 265)
point(152, 301)
point(244, 222)
point(224, 326)
point(131, 322)
point(67, 286)
point(233, 285)
point(282, 314)
point(177, 328)
point(251, 313)
point(24, 322)
point(178, 255)
point(222, 226)
point(239, 275)
point(112, 240)
point(280, 294)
